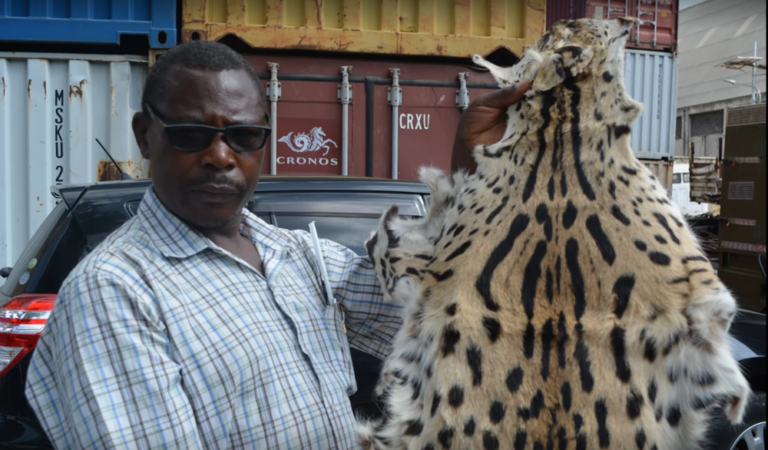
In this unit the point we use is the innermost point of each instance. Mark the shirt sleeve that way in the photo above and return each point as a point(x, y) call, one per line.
point(371, 321)
point(102, 375)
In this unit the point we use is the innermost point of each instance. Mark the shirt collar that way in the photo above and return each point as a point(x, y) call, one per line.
point(175, 239)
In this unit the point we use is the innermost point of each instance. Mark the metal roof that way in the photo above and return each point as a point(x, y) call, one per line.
point(710, 34)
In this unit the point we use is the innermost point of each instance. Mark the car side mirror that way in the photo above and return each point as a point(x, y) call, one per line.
point(5, 271)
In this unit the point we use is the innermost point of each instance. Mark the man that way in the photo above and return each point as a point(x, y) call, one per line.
point(197, 325)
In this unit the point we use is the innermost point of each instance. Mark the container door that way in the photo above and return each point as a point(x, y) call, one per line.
point(659, 30)
point(309, 138)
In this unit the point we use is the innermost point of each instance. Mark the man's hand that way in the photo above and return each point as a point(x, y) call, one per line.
point(484, 122)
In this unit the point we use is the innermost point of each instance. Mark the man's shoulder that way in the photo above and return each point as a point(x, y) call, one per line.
point(123, 253)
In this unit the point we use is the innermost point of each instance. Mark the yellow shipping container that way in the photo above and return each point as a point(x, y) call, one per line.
point(458, 28)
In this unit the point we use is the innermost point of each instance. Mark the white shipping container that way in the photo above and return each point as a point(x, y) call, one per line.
point(651, 79)
point(53, 107)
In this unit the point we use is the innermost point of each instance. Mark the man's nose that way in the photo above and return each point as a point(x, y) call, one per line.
point(219, 155)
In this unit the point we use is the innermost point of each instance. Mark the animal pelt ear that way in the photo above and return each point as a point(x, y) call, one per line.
point(565, 62)
point(510, 76)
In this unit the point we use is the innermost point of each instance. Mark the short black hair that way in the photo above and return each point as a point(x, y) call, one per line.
point(200, 55)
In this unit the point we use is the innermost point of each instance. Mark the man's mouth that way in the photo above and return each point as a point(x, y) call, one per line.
point(215, 193)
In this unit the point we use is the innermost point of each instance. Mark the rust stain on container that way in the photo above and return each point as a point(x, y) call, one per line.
point(76, 90)
point(106, 170)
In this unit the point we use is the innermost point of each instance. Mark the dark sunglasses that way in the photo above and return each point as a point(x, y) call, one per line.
point(196, 138)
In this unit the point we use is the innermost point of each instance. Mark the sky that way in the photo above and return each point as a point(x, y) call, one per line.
point(688, 3)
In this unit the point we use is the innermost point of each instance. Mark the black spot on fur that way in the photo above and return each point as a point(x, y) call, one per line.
point(483, 284)
point(550, 286)
point(450, 337)
point(551, 188)
point(511, 180)
point(629, 170)
point(524, 413)
point(490, 441)
point(492, 327)
point(674, 415)
point(537, 404)
point(462, 248)
point(688, 259)
point(621, 130)
point(515, 379)
point(414, 428)
point(563, 185)
point(577, 279)
point(598, 116)
point(542, 217)
point(475, 361)
point(660, 239)
point(445, 436)
point(635, 402)
point(619, 215)
point(558, 273)
point(435, 404)
point(456, 396)
point(640, 438)
point(547, 336)
point(622, 179)
point(469, 427)
point(620, 353)
point(581, 353)
point(566, 395)
point(497, 412)
point(562, 339)
point(623, 290)
point(663, 221)
point(653, 389)
point(607, 76)
point(443, 276)
point(642, 246)
point(497, 210)
point(601, 239)
point(569, 216)
point(601, 414)
point(520, 437)
point(531, 277)
point(661, 259)
point(451, 309)
point(458, 231)
point(612, 189)
point(650, 349)
point(529, 335)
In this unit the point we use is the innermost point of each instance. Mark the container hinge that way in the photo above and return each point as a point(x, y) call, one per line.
point(462, 93)
point(344, 90)
point(395, 92)
point(274, 87)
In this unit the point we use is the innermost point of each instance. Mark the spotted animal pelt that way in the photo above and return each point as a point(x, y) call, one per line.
point(555, 298)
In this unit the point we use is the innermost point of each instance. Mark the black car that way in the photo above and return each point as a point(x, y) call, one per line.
point(345, 210)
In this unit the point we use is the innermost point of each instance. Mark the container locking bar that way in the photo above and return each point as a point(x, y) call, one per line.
point(344, 96)
point(462, 93)
point(274, 94)
point(394, 98)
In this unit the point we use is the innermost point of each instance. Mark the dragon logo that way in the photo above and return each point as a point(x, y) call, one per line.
point(308, 142)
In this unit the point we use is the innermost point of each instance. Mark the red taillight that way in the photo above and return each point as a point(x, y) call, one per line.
point(21, 322)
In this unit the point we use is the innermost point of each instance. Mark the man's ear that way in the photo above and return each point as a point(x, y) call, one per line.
point(140, 129)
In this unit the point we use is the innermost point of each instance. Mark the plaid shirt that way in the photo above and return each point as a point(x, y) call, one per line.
point(161, 339)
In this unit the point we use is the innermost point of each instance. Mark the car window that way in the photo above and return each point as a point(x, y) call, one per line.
point(349, 231)
point(346, 218)
point(676, 178)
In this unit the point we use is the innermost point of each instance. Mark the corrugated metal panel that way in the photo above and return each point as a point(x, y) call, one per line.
point(88, 21)
point(409, 27)
point(651, 79)
point(52, 108)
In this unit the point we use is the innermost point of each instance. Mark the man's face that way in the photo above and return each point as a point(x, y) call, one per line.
point(209, 188)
